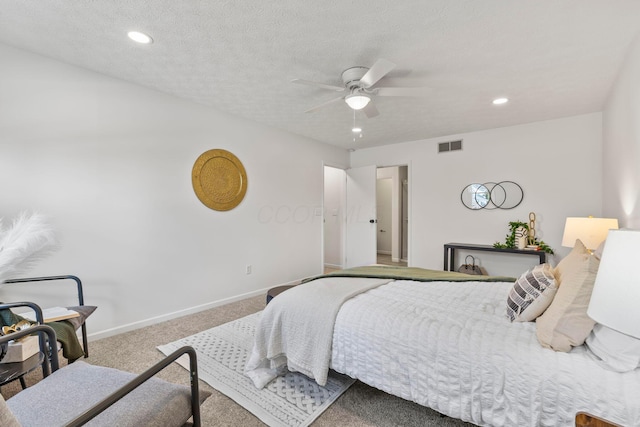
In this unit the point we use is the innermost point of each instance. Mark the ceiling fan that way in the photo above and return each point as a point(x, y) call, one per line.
point(359, 84)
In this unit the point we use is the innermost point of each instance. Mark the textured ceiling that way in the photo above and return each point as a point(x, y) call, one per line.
point(552, 58)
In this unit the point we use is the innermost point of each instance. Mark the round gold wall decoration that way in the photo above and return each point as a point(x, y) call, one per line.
point(219, 180)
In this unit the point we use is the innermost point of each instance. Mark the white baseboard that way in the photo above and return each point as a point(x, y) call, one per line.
point(174, 315)
point(338, 266)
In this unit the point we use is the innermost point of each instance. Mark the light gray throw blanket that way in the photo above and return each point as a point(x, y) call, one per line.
point(295, 330)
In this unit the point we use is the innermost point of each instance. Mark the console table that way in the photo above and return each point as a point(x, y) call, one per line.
point(450, 252)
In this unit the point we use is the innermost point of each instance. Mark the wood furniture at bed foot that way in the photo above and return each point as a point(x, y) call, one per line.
point(450, 252)
point(587, 420)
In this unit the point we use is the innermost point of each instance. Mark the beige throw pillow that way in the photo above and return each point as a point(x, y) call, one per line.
point(565, 323)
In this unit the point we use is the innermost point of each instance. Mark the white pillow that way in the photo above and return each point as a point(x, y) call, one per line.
point(531, 294)
point(618, 351)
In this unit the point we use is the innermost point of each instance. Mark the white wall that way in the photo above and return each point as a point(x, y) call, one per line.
point(334, 221)
point(111, 163)
point(556, 162)
point(621, 157)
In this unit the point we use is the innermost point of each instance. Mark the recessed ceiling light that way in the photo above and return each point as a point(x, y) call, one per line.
point(500, 101)
point(356, 130)
point(140, 37)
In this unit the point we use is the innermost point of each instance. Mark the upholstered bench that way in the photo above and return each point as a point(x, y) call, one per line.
point(74, 394)
point(273, 292)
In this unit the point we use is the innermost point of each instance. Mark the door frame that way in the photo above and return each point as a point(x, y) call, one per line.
point(344, 217)
point(409, 211)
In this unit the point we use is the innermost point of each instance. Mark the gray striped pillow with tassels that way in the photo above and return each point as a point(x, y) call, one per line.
point(531, 294)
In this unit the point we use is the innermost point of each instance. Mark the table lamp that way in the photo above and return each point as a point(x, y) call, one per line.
point(591, 231)
point(615, 301)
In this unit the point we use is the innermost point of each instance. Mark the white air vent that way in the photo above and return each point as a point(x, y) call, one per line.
point(450, 146)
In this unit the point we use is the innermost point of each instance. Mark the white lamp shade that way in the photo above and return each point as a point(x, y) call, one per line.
point(615, 300)
point(591, 231)
point(357, 101)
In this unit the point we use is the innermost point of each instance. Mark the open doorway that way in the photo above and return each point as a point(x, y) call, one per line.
point(393, 215)
point(350, 228)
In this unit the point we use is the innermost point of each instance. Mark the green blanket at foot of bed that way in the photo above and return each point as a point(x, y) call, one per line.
point(410, 273)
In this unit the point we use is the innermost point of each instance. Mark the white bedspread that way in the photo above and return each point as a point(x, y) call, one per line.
point(450, 347)
point(296, 329)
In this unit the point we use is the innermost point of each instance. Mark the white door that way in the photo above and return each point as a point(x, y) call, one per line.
point(361, 216)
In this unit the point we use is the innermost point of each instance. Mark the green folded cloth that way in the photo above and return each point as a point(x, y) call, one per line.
point(410, 273)
point(65, 333)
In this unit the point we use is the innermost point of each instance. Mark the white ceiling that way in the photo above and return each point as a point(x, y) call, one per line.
point(552, 58)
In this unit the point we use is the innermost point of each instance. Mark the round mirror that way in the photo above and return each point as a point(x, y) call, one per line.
point(492, 195)
point(475, 196)
point(512, 195)
point(497, 195)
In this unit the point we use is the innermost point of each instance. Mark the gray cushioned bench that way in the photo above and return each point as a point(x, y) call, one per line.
point(80, 392)
point(273, 292)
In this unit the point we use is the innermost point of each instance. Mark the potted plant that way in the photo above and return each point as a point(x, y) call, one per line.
point(510, 241)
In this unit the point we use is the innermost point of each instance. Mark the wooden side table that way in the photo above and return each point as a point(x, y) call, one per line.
point(587, 420)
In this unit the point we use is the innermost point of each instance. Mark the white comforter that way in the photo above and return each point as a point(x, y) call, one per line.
point(450, 347)
point(296, 329)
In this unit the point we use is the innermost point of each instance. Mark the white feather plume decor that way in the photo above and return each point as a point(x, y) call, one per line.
point(29, 239)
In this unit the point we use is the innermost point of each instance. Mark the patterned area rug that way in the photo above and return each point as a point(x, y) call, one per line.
point(289, 400)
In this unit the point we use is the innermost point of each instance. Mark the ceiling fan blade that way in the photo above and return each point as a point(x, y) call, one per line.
point(376, 72)
point(403, 91)
point(370, 110)
point(316, 84)
point(317, 107)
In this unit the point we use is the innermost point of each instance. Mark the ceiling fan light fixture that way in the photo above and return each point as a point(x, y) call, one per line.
point(356, 130)
point(357, 101)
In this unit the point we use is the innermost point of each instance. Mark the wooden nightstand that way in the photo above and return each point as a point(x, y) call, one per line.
point(587, 420)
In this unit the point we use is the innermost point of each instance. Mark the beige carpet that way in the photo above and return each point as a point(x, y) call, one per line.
point(135, 351)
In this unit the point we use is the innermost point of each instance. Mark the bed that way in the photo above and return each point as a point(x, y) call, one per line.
point(445, 343)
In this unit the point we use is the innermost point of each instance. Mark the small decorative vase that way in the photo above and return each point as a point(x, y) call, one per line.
point(521, 237)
